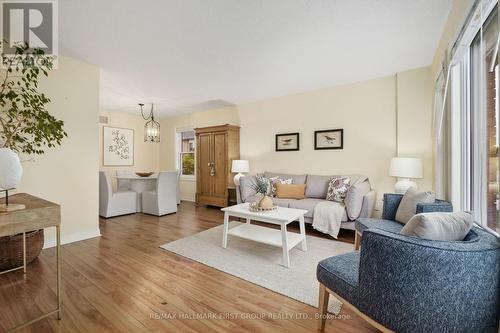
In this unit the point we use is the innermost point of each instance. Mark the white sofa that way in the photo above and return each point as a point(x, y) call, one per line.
point(360, 201)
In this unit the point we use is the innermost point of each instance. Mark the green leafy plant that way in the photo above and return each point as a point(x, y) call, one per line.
point(188, 164)
point(261, 185)
point(25, 124)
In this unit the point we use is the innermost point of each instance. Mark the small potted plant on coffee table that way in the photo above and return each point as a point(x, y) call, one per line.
point(262, 187)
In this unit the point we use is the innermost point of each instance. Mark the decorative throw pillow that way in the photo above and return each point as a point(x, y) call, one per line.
point(439, 226)
point(354, 198)
point(408, 206)
point(277, 180)
point(271, 183)
point(337, 189)
point(290, 191)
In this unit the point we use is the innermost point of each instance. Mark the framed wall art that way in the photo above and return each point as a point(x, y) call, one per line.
point(118, 146)
point(287, 142)
point(329, 139)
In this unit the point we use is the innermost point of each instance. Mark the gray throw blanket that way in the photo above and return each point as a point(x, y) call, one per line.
point(327, 217)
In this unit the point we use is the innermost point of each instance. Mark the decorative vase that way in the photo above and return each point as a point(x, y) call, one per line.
point(266, 202)
point(11, 170)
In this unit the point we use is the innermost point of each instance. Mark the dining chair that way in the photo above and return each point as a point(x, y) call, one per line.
point(162, 200)
point(114, 203)
point(123, 184)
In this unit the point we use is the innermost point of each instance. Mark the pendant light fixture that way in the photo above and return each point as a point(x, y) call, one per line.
point(152, 127)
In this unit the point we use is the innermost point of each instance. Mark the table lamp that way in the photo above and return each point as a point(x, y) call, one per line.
point(239, 167)
point(405, 168)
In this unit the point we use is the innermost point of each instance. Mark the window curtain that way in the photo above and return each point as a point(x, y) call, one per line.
point(441, 133)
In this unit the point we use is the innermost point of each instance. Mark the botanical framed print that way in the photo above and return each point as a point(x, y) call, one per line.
point(118, 146)
point(329, 139)
point(287, 142)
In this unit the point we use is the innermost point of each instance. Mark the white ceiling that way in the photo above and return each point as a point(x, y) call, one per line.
point(188, 55)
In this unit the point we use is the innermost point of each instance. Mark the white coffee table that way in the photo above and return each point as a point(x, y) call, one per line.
point(280, 238)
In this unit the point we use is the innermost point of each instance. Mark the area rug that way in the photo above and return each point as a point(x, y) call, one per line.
point(261, 264)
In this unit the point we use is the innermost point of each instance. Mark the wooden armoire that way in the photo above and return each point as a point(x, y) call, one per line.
point(216, 148)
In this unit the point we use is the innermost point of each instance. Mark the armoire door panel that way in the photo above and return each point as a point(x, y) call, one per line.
point(216, 147)
point(205, 156)
point(220, 160)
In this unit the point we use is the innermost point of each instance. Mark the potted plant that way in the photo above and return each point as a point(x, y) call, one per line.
point(262, 187)
point(26, 128)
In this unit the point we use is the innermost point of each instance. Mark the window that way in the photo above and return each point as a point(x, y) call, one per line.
point(484, 123)
point(185, 152)
point(467, 135)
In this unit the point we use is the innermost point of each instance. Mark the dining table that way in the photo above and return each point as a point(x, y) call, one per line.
point(139, 185)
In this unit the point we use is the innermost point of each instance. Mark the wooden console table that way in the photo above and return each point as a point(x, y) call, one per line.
point(39, 214)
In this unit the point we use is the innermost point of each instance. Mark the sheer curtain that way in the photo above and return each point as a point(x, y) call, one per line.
point(440, 133)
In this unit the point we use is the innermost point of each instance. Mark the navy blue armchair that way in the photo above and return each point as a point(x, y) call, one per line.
point(406, 284)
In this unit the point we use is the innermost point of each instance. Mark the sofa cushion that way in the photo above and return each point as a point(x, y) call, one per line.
point(439, 226)
point(363, 224)
point(247, 184)
point(355, 179)
point(283, 202)
point(309, 204)
point(290, 191)
point(354, 198)
point(408, 205)
point(317, 186)
point(273, 182)
point(340, 274)
point(296, 179)
point(337, 189)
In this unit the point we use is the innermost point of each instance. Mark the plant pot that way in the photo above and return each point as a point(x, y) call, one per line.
point(266, 202)
point(11, 249)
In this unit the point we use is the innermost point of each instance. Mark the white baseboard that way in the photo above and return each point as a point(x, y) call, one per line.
point(50, 237)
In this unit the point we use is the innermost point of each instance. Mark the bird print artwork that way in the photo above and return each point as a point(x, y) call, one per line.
point(329, 139)
point(287, 142)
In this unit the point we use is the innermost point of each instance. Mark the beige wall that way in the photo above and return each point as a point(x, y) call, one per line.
point(415, 97)
point(454, 22)
point(146, 154)
point(198, 119)
point(366, 111)
point(68, 175)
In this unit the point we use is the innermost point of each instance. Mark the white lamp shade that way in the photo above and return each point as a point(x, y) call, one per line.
point(240, 166)
point(11, 170)
point(406, 167)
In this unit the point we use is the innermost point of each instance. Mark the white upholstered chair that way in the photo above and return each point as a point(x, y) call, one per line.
point(123, 184)
point(163, 200)
point(117, 203)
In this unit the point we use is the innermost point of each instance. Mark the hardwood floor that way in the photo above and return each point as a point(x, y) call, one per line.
point(123, 282)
